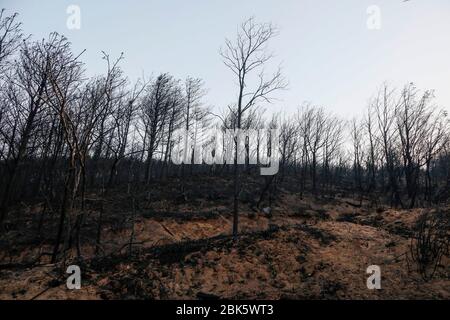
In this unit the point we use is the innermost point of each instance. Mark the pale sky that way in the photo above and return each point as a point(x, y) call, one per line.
point(328, 54)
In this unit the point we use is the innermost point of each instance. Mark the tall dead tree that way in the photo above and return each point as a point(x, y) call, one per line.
point(385, 106)
point(154, 114)
point(288, 144)
point(245, 57)
point(194, 92)
point(174, 122)
point(30, 80)
point(122, 118)
point(412, 117)
point(358, 156)
point(333, 139)
point(313, 120)
point(373, 151)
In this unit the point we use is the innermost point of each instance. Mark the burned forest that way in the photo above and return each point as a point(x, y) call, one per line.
point(151, 192)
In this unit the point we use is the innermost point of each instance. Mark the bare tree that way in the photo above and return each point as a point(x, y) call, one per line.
point(154, 114)
point(29, 83)
point(333, 139)
point(436, 140)
point(194, 116)
point(358, 156)
point(174, 122)
point(313, 126)
point(412, 117)
point(245, 56)
point(373, 150)
point(385, 107)
point(288, 144)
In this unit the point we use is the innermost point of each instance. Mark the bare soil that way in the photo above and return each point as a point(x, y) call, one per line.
point(305, 248)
